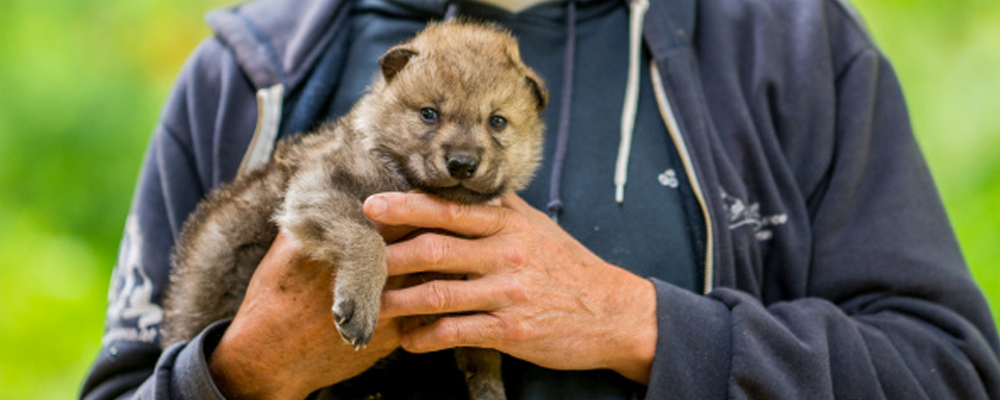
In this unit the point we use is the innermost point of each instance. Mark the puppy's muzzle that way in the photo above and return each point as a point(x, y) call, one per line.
point(462, 166)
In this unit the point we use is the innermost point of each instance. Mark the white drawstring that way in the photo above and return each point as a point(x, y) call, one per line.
point(269, 102)
point(638, 15)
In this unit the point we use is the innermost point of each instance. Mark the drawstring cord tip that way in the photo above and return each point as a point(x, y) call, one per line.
point(630, 107)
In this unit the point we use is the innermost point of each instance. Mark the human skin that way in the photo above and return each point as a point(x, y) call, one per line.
point(532, 292)
point(283, 343)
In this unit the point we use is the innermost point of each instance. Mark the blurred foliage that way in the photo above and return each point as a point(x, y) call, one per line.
point(82, 83)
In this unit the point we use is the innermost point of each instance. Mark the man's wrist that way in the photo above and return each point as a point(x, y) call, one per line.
point(638, 345)
point(241, 374)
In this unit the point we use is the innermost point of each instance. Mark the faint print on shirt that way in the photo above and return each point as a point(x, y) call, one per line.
point(669, 179)
point(132, 315)
point(740, 213)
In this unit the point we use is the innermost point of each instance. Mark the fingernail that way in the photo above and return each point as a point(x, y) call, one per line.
point(375, 206)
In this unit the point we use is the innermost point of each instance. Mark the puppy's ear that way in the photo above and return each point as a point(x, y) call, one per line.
point(531, 79)
point(394, 60)
point(537, 88)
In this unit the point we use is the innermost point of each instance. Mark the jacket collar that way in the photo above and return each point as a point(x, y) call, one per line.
point(277, 41)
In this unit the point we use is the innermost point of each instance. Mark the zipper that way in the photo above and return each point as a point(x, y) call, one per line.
point(667, 113)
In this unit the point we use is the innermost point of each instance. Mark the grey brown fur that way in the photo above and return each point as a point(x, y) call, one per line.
point(315, 186)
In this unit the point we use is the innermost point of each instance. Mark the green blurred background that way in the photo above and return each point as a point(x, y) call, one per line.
point(82, 81)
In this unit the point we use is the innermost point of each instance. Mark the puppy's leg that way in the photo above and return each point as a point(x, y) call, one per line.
point(331, 226)
point(360, 277)
point(482, 372)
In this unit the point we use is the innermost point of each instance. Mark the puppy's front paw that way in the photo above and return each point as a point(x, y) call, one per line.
point(355, 321)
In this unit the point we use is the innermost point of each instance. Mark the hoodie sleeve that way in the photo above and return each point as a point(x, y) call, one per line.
point(890, 310)
point(186, 157)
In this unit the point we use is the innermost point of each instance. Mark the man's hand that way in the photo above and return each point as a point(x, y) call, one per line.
point(532, 290)
point(283, 343)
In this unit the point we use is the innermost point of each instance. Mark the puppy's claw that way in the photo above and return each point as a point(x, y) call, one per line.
point(356, 329)
point(343, 311)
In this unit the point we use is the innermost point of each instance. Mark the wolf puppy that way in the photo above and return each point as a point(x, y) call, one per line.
point(454, 113)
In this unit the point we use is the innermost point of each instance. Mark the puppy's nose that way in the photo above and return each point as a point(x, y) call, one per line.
point(462, 166)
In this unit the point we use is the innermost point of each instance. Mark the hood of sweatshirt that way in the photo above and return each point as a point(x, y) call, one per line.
point(273, 45)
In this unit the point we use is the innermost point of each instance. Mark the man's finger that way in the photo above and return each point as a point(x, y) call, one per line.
point(514, 202)
point(442, 297)
point(431, 252)
point(426, 211)
point(392, 233)
point(476, 330)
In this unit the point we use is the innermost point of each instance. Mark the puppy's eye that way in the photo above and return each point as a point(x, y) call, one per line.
point(428, 115)
point(497, 122)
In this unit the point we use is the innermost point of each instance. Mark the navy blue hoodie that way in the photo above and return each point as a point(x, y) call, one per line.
point(828, 265)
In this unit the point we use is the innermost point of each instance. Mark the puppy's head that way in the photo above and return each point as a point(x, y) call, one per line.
point(458, 111)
